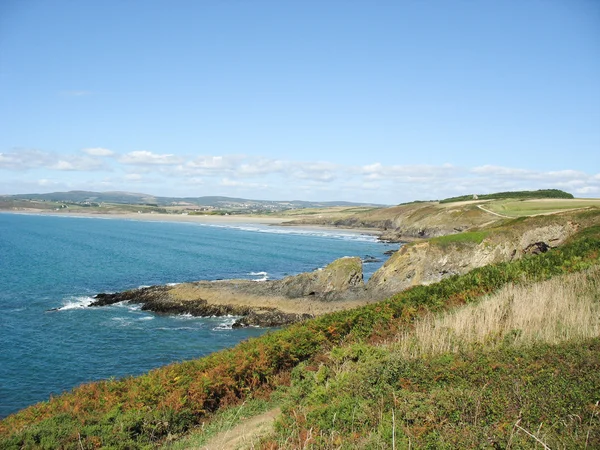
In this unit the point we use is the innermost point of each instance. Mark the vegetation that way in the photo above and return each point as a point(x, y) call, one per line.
point(362, 396)
point(563, 308)
point(138, 412)
point(475, 237)
point(520, 208)
point(542, 193)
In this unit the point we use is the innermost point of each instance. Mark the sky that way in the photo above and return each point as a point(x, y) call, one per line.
point(367, 101)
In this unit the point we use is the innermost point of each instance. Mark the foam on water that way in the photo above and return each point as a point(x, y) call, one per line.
point(75, 303)
point(298, 231)
point(264, 276)
point(226, 324)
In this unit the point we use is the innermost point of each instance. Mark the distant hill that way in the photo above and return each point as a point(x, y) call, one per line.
point(132, 198)
point(542, 193)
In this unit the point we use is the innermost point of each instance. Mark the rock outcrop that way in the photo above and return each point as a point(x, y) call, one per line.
point(430, 261)
point(266, 303)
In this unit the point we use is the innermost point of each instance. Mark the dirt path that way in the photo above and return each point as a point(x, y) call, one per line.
point(494, 213)
point(244, 435)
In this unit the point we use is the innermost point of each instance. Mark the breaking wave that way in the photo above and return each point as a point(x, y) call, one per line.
point(75, 303)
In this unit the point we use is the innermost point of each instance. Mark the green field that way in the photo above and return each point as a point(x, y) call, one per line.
point(519, 208)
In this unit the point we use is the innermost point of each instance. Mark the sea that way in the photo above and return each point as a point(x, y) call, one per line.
point(51, 266)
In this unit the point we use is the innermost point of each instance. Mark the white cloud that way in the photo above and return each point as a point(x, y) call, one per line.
point(588, 190)
point(323, 172)
point(98, 151)
point(44, 182)
point(24, 159)
point(407, 173)
point(144, 157)
point(500, 171)
point(262, 166)
point(252, 176)
point(234, 183)
point(80, 164)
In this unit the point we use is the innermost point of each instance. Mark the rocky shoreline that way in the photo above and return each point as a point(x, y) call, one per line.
point(264, 304)
point(158, 300)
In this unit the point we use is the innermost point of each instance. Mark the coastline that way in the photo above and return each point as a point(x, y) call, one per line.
point(231, 220)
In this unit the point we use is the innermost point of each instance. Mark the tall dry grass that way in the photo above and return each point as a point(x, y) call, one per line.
point(553, 311)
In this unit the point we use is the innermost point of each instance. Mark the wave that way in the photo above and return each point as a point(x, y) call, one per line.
point(75, 303)
point(129, 306)
point(183, 316)
point(331, 234)
point(225, 325)
point(264, 276)
point(175, 328)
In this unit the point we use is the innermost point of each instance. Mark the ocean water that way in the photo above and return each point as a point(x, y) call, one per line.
point(49, 262)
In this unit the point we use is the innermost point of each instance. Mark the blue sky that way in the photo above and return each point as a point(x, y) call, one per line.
point(370, 101)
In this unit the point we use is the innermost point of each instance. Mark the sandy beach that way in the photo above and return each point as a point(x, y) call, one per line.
point(231, 220)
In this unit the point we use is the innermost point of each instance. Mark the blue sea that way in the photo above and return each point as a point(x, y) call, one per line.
point(59, 262)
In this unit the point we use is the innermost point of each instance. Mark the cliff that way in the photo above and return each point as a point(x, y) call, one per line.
point(432, 260)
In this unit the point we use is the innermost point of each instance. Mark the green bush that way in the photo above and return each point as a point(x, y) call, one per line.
point(451, 401)
point(542, 193)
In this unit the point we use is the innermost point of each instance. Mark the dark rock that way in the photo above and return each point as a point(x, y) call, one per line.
point(269, 319)
point(536, 248)
point(141, 295)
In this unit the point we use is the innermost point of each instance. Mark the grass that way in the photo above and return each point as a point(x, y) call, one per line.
point(517, 369)
point(145, 411)
point(467, 237)
point(364, 397)
point(519, 208)
point(560, 309)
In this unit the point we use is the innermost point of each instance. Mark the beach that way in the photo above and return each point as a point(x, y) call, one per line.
point(223, 220)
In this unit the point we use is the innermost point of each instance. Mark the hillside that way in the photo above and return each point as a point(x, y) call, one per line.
point(95, 199)
point(342, 381)
point(421, 220)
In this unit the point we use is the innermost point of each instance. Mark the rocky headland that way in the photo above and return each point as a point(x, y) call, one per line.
point(266, 303)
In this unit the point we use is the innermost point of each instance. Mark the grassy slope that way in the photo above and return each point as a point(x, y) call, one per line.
point(142, 411)
point(465, 378)
point(368, 397)
point(483, 375)
point(519, 208)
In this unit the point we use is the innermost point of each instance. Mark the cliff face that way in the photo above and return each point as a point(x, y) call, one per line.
point(430, 261)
